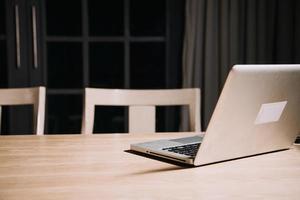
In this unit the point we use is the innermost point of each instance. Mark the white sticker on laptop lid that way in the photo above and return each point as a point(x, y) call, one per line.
point(270, 112)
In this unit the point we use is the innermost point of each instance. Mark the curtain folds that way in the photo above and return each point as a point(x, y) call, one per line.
point(221, 33)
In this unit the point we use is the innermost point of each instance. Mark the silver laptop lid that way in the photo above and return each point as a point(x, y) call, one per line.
point(258, 111)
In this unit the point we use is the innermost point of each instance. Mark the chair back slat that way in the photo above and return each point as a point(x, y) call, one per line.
point(141, 119)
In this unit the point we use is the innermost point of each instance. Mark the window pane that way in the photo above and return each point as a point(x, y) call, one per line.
point(110, 119)
point(64, 114)
point(106, 17)
point(64, 64)
point(147, 17)
point(168, 118)
point(18, 120)
point(147, 63)
point(63, 17)
point(107, 65)
point(2, 17)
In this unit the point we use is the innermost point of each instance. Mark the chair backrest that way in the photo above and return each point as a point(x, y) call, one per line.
point(141, 106)
point(27, 96)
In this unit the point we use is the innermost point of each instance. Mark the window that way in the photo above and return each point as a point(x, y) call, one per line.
point(109, 44)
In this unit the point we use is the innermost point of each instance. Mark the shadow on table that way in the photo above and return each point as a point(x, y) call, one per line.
point(175, 165)
point(178, 164)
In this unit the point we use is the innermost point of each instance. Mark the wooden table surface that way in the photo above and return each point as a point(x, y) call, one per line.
point(96, 167)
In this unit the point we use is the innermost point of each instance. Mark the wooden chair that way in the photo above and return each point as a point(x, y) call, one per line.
point(27, 96)
point(141, 106)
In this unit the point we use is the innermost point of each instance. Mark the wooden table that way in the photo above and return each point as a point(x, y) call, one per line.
point(96, 167)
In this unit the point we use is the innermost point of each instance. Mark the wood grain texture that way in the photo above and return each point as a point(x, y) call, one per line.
point(96, 167)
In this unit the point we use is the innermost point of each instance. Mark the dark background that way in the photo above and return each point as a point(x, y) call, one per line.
point(128, 44)
point(135, 44)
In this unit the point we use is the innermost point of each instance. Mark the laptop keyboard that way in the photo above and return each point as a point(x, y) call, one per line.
point(188, 149)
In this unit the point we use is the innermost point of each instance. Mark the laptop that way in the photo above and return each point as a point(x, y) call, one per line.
point(257, 112)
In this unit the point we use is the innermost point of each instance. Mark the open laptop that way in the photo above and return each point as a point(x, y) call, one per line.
point(258, 112)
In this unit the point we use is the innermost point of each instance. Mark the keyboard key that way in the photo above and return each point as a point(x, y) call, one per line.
point(189, 149)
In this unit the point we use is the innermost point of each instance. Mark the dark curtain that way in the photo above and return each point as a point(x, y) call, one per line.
point(221, 33)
